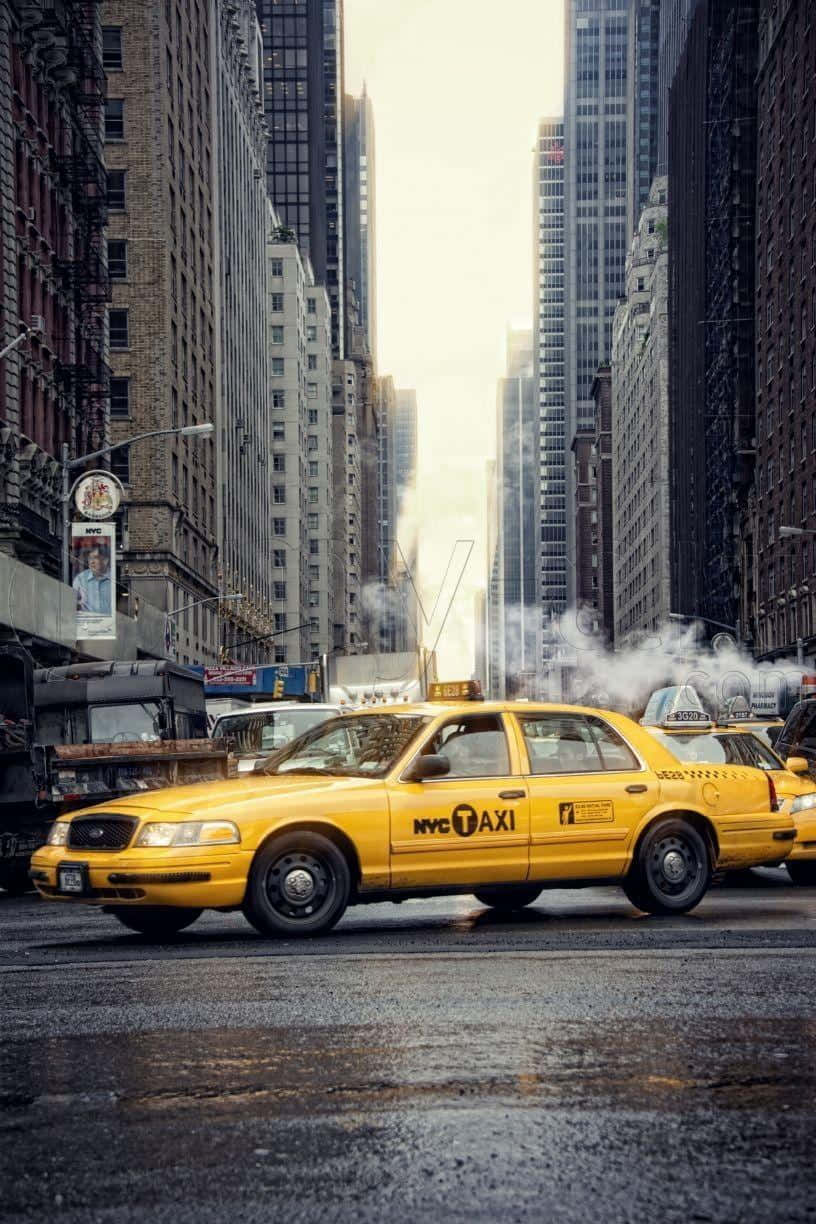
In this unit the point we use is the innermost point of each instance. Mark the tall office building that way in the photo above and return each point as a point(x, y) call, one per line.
point(644, 105)
point(640, 457)
point(675, 21)
point(779, 571)
point(242, 351)
point(712, 187)
point(518, 525)
point(597, 166)
point(303, 100)
point(53, 275)
point(548, 352)
point(360, 224)
point(160, 143)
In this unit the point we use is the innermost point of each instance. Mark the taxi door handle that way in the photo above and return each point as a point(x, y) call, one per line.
point(637, 788)
point(511, 794)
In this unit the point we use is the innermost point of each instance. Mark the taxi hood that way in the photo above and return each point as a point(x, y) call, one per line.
point(219, 798)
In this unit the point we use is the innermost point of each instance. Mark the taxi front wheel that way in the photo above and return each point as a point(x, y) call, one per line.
point(299, 885)
point(672, 869)
point(802, 873)
point(508, 896)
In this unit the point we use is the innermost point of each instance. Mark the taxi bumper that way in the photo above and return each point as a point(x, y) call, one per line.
point(754, 840)
point(804, 847)
point(205, 880)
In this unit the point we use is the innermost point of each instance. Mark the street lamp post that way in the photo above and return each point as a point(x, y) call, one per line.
point(70, 465)
point(196, 603)
point(682, 616)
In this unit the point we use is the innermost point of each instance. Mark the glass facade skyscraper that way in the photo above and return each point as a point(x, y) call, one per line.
point(303, 95)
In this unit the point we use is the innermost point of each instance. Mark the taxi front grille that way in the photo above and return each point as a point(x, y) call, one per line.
point(101, 832)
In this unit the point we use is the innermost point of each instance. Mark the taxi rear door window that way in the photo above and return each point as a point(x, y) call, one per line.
point(560, 744)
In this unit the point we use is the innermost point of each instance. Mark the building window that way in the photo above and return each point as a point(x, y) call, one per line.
point(120, 464)
point(311, 390)
point(279, 401)
point(280, 654)
point(118, 324)
point(278, 590)
point(277, 367)
point(313, 495)
point(279, 495)
point(313, 469)
point(276, 267)
point(311, 334)
point(116, 189)
point(117, 259)
point(311, 442)
point(278, 431)
point(111, 47)
point(276, 303)
point(279, 558)
point(120, 397)
point(279, 526)
point(311, 359)
point(280, 622)
point(311, 305)
point(277, 334)
point(312, 416)
point(314, 548)
point(312, 522)
point(278, 463)
point(114, 119)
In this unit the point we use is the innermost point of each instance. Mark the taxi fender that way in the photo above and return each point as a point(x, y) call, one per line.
point(325, 828)
point(698, 819)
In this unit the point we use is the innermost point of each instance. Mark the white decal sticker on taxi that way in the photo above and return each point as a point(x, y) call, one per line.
point(587, 811)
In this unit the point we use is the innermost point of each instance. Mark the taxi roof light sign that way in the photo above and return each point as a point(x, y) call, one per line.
point(676, 706)
point(456, 690)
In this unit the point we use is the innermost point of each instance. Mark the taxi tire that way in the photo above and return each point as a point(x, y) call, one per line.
point(802, 873)
point(323, 860)
point(640, 886)
point(508, 896)
point(155, 921)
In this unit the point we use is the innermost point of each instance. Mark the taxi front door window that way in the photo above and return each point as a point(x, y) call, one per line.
point(476, 747)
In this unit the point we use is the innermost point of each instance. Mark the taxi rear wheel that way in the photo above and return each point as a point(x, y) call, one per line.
point(157, 921)
point(802, 873)
point(672, 869)
point(299, 885)
point(508, 897)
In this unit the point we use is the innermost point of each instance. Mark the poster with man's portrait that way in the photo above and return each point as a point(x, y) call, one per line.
point(93, 578)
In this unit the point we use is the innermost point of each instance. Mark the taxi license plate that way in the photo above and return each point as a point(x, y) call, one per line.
point(72, 878)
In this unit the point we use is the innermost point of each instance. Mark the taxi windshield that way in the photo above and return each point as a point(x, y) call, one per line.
point(265, 730)
point(367, 746)
point(720, 748)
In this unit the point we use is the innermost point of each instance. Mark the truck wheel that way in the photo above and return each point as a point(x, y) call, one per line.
point(15, 880)
point(671, 871)
point(508, 897)
point(299, 885)
point(802, 873)
point(156, 921)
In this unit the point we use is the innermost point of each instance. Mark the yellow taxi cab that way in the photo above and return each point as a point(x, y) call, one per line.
point(497, 799)
point(733, 739)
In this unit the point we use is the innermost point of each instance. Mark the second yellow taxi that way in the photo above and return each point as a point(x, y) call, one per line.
point(497, 799)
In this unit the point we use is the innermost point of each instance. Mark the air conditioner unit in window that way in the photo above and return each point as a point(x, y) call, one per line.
point(37, 324)
point(31, 213)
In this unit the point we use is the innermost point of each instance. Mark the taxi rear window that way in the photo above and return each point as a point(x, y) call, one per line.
point(572, 743)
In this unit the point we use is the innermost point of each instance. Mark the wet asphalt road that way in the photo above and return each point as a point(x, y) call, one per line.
point(428, 1061)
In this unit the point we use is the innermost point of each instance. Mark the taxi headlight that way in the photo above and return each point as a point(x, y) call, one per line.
point(58, 835)
point(802, 802)
point(189, 833)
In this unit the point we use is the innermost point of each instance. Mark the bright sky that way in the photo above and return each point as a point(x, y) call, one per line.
point(457, 88)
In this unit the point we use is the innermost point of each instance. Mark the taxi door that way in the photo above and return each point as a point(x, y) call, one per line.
point(471, 826)
point(588, 793)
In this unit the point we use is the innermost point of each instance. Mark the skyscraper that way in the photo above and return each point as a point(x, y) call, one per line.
point(518, 427)
point(360, 224)
point(303, 97)
point(597, 166)
point(548, 352)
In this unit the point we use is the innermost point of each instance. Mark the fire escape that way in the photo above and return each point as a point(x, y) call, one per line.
point(83, 274)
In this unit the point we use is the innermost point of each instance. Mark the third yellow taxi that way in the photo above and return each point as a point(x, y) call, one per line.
point(497, 799)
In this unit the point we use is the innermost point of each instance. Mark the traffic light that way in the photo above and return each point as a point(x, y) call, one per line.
point(277, 688)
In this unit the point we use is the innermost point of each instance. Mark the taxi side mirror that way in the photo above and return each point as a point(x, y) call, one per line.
point(797, 765)
point(431, 765)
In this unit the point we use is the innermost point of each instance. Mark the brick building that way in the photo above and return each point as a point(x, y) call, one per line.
point(601, 538)
point(585, 484)
point(779, 543)
point(53, 389)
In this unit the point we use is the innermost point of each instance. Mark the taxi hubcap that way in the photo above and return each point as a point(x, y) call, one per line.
point(674, 866)
point(298, 886)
